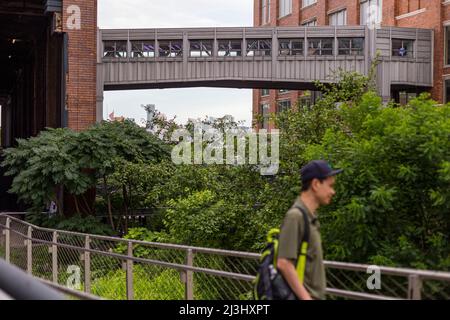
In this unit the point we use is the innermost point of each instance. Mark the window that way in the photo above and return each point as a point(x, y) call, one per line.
point(265, 113)
point(447, 91)
point(308, 2)
point(351, 46)
point(259, 47)
point(142, 49)
point(171, 49)
point(305, 101)
point(320, 47)
point(115, 49)
point(283, 105)
point(285, 7)
point(265, 11)
point(310, 23)
point(371, 12)
point(338, 18)
point(447, 45)
point(291, 47)
point(265, 92)
point(281, 91)
point(230, 48)
point(402, 48)
point(201, 48)
point(406, 97)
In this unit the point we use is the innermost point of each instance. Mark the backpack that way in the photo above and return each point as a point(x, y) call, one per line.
point(269, 283)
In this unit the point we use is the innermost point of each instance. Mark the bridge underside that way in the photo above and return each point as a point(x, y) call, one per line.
point(234, 84)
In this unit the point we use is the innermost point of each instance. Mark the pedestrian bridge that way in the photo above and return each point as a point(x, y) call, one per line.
point(274, 58)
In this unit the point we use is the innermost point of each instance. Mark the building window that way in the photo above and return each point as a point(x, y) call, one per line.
point(447, 91)
point(265, 108)
point(201, 48)
point(259, 47)
point(283, 105)
point(371, 12)
point(402, 48)
point(291, 47)
point(305, 101)
point(447, 45)
point(142, 49)
point(265, 92)
point(320, 47)
point(285, 7)
point(115, 49)
point(230, 48)
point(171, 49)
point(265, 11)
point(310, 23)
point(306, 3)
point(406, 97)
point(351, 46)
point(338, 18)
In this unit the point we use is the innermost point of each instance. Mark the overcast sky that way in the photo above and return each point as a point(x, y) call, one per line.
point(182, 103)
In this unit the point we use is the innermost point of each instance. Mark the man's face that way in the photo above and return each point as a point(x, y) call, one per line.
point(324, 191)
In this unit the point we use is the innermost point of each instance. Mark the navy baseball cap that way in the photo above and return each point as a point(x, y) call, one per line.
point(318, 169)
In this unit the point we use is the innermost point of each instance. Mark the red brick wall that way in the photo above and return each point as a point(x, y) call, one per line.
point(432, 18)
point(81, 81)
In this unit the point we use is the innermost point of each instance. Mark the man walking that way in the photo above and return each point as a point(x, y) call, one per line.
point(317, 190)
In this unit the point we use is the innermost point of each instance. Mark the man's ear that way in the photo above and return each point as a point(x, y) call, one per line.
point(314, 184)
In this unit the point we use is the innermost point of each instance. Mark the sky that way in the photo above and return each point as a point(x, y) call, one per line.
point(180, 103)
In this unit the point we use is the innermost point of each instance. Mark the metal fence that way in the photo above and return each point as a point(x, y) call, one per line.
point(115, 268)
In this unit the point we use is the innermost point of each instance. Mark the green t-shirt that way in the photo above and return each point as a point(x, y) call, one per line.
point(291, 235)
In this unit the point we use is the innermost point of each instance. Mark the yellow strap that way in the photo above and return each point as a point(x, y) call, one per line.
point(301, 265)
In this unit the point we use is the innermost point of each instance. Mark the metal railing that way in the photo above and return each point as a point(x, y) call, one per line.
point(116, 268)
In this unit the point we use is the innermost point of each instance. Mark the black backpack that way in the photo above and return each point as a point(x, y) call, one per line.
point(269, 283)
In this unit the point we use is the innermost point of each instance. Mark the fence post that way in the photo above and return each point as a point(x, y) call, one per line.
point(414, 287)
point(189, 284)
point(29, 244)
point(8, 241)
point(55, 257)
point(87, 265)
point(130, 293)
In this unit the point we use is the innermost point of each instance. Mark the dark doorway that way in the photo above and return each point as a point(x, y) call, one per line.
point(32, 78)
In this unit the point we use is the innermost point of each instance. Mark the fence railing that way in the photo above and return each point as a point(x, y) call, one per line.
point(116, 268)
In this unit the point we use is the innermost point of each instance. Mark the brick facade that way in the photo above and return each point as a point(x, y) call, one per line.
point(82, 51)
point(430, 14)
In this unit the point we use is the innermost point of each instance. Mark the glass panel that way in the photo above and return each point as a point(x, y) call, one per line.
point(171, 49)
point(284, 105)
point(230, 48)
point(259, 47)
point(142, 49)
point(447, 49)
point(402, 48)
point(447, 91)
point(109, 49)
point(121, 49)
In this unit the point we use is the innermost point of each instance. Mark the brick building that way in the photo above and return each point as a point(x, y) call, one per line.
point(429, 14)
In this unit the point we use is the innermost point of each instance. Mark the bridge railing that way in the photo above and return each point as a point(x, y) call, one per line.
point(116, 268)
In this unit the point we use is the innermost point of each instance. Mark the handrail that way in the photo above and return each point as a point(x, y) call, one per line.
point(436, 275)
point(414, 277)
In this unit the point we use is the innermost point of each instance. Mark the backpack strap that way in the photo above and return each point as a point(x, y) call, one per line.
point(303, 250)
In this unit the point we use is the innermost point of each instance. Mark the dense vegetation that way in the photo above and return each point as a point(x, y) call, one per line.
point(392, 205)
